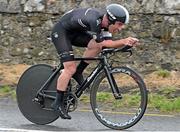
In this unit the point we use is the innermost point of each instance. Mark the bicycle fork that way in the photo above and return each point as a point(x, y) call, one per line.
point(112, 82)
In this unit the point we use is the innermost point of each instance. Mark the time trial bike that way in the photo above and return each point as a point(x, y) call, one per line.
point(118, 95)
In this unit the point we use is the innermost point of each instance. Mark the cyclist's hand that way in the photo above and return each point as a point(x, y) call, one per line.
point(130, 41)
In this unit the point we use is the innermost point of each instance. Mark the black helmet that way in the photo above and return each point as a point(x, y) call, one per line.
point(116, 12)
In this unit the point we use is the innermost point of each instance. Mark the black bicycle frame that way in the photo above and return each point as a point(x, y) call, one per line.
point(103, 65)
point(89, 80)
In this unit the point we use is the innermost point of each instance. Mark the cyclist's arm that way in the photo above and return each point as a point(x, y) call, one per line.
point(111, 44)
point(95, 30)
point(95, 27)
point(118, 43)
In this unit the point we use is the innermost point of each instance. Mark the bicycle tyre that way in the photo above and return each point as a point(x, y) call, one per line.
point(93, 98)
point(29, 83)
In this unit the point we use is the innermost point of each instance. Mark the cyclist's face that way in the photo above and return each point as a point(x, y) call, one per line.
point(118, 26)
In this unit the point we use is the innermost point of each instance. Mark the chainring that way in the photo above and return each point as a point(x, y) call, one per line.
point(71, 102)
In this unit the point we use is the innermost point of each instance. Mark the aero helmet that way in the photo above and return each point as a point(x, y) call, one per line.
point(116, 12)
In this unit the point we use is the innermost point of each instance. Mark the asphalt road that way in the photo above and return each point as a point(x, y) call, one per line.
point(12, 120)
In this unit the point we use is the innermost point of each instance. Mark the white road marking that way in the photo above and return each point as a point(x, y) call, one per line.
point(21, 130)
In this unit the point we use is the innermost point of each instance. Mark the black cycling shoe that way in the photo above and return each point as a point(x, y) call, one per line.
point(58, 105)
point(61, 111)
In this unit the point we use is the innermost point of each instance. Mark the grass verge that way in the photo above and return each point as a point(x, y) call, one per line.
point(163, 73)
point(156, 102)
point(161, 102)
point(7, 91)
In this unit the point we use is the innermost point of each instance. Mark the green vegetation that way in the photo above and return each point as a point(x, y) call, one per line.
point(7, 91)
point(163, 103)
point(128, 100)
point(168, 91)
point(155, 101)
point(163, 73)
point(104, 96)
point(84, 98)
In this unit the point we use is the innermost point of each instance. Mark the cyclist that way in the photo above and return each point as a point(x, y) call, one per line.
point(76, 28)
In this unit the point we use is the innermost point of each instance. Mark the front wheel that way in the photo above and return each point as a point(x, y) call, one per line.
point(122, 113)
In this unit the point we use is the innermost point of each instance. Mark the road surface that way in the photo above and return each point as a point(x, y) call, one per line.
point(12, 120)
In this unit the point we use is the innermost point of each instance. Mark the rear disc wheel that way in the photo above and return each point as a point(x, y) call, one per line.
point(29, 84)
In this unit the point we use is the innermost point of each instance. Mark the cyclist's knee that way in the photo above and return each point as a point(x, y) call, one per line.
point(93, 45)
point(69, 67)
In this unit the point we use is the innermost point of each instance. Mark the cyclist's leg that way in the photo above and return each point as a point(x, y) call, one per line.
point(64, 49)
point(92, 50)
point(81, 39)
point(66, 74)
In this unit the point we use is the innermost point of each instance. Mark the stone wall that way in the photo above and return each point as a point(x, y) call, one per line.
point(25, 25)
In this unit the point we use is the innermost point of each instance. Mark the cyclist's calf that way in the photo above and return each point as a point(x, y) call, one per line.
point(67, 73)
